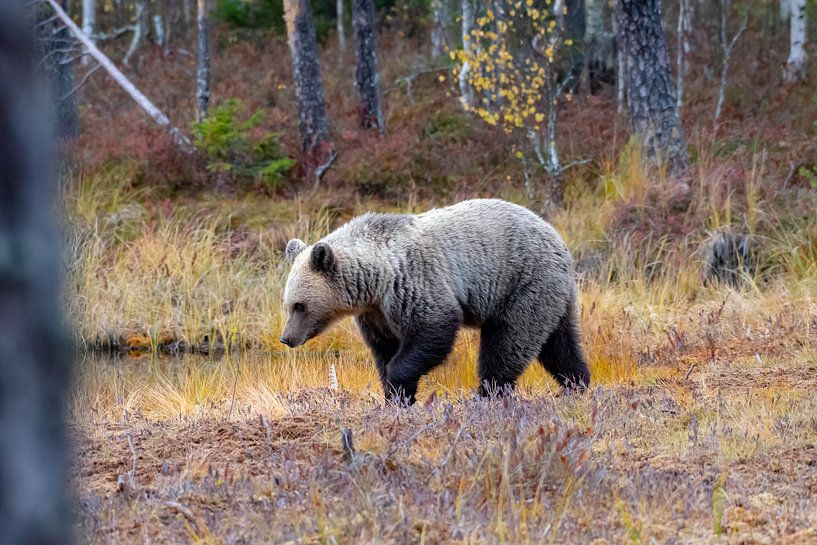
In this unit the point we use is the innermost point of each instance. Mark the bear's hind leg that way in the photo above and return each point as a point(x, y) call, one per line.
point(505, 350)
point(562, 355)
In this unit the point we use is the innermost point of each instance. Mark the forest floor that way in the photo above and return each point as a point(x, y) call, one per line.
point(706, 443)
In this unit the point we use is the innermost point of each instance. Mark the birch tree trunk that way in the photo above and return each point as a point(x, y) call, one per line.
point(140, 29)
point(203, 69)
point(796, 65)
point(34, 352)
point(312, 122)
point(367, 73)
point(598, 44)
point(650, 91)
point(439, 9)
point(88, 21)
point(621, 89)
point(682, 49)
point(727, 47)
point(466, 91)
point(340, 30)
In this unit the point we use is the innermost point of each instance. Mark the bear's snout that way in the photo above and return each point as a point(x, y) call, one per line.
point(287, 341)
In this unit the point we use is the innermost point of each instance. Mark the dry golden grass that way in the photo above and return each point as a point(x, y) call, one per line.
point(700, 427)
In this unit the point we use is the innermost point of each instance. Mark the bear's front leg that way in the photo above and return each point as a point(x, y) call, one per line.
point(419, 353)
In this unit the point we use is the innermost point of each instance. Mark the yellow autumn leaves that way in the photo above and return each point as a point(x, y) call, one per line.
point(507, 60)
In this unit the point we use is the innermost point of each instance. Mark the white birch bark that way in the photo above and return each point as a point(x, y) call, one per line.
point(203, 69)
point(159, 30)
point(139, 29)
point(341, 31)
point(155, 113)
point(88, 21)
point(438, 31)
point(727, 48)
point(796, 65)
point(466, 92)
point(785, 10)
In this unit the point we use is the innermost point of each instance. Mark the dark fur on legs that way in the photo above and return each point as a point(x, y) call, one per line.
point(402, 363)
point(562, 355)
point(503, 356)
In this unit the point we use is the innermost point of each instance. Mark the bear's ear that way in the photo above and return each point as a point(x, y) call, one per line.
point(323, 258)
point(294, 247)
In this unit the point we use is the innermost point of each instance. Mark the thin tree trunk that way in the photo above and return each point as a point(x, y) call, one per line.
point(88, 21)
point(439, 9)
point(682, 49)
point(35, 356)
point(341, 31)
point(598, 44)
point(367, 73)
point(159, 30)
point(650, 91)
point(203, 70)
point(466, 91)
point(727, 47)
point(155, 113)
point(621, 88)
point(796, 65)
point(140, 29)
point(785, 10)
point(318, 150)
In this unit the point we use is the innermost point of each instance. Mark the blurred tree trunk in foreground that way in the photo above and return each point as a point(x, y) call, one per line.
point(796, 65)
point(650, 91)
point(312, 122)
point(203, 71)
point(34, 354)
point(367, 73)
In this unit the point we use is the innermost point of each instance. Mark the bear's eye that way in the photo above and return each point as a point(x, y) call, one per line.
point(298, 307)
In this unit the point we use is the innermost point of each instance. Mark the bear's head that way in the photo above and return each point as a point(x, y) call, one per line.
point(311, 299)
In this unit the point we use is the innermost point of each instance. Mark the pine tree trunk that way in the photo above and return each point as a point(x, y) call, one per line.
point(367, 74)
point(55, 47)
point(650, 91)
point(34, 353)
point(796, 65)
point(312, 122)
point(203, 71)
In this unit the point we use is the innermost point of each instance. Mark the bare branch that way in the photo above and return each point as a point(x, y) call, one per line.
point(82, 81)
point(155, 113)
